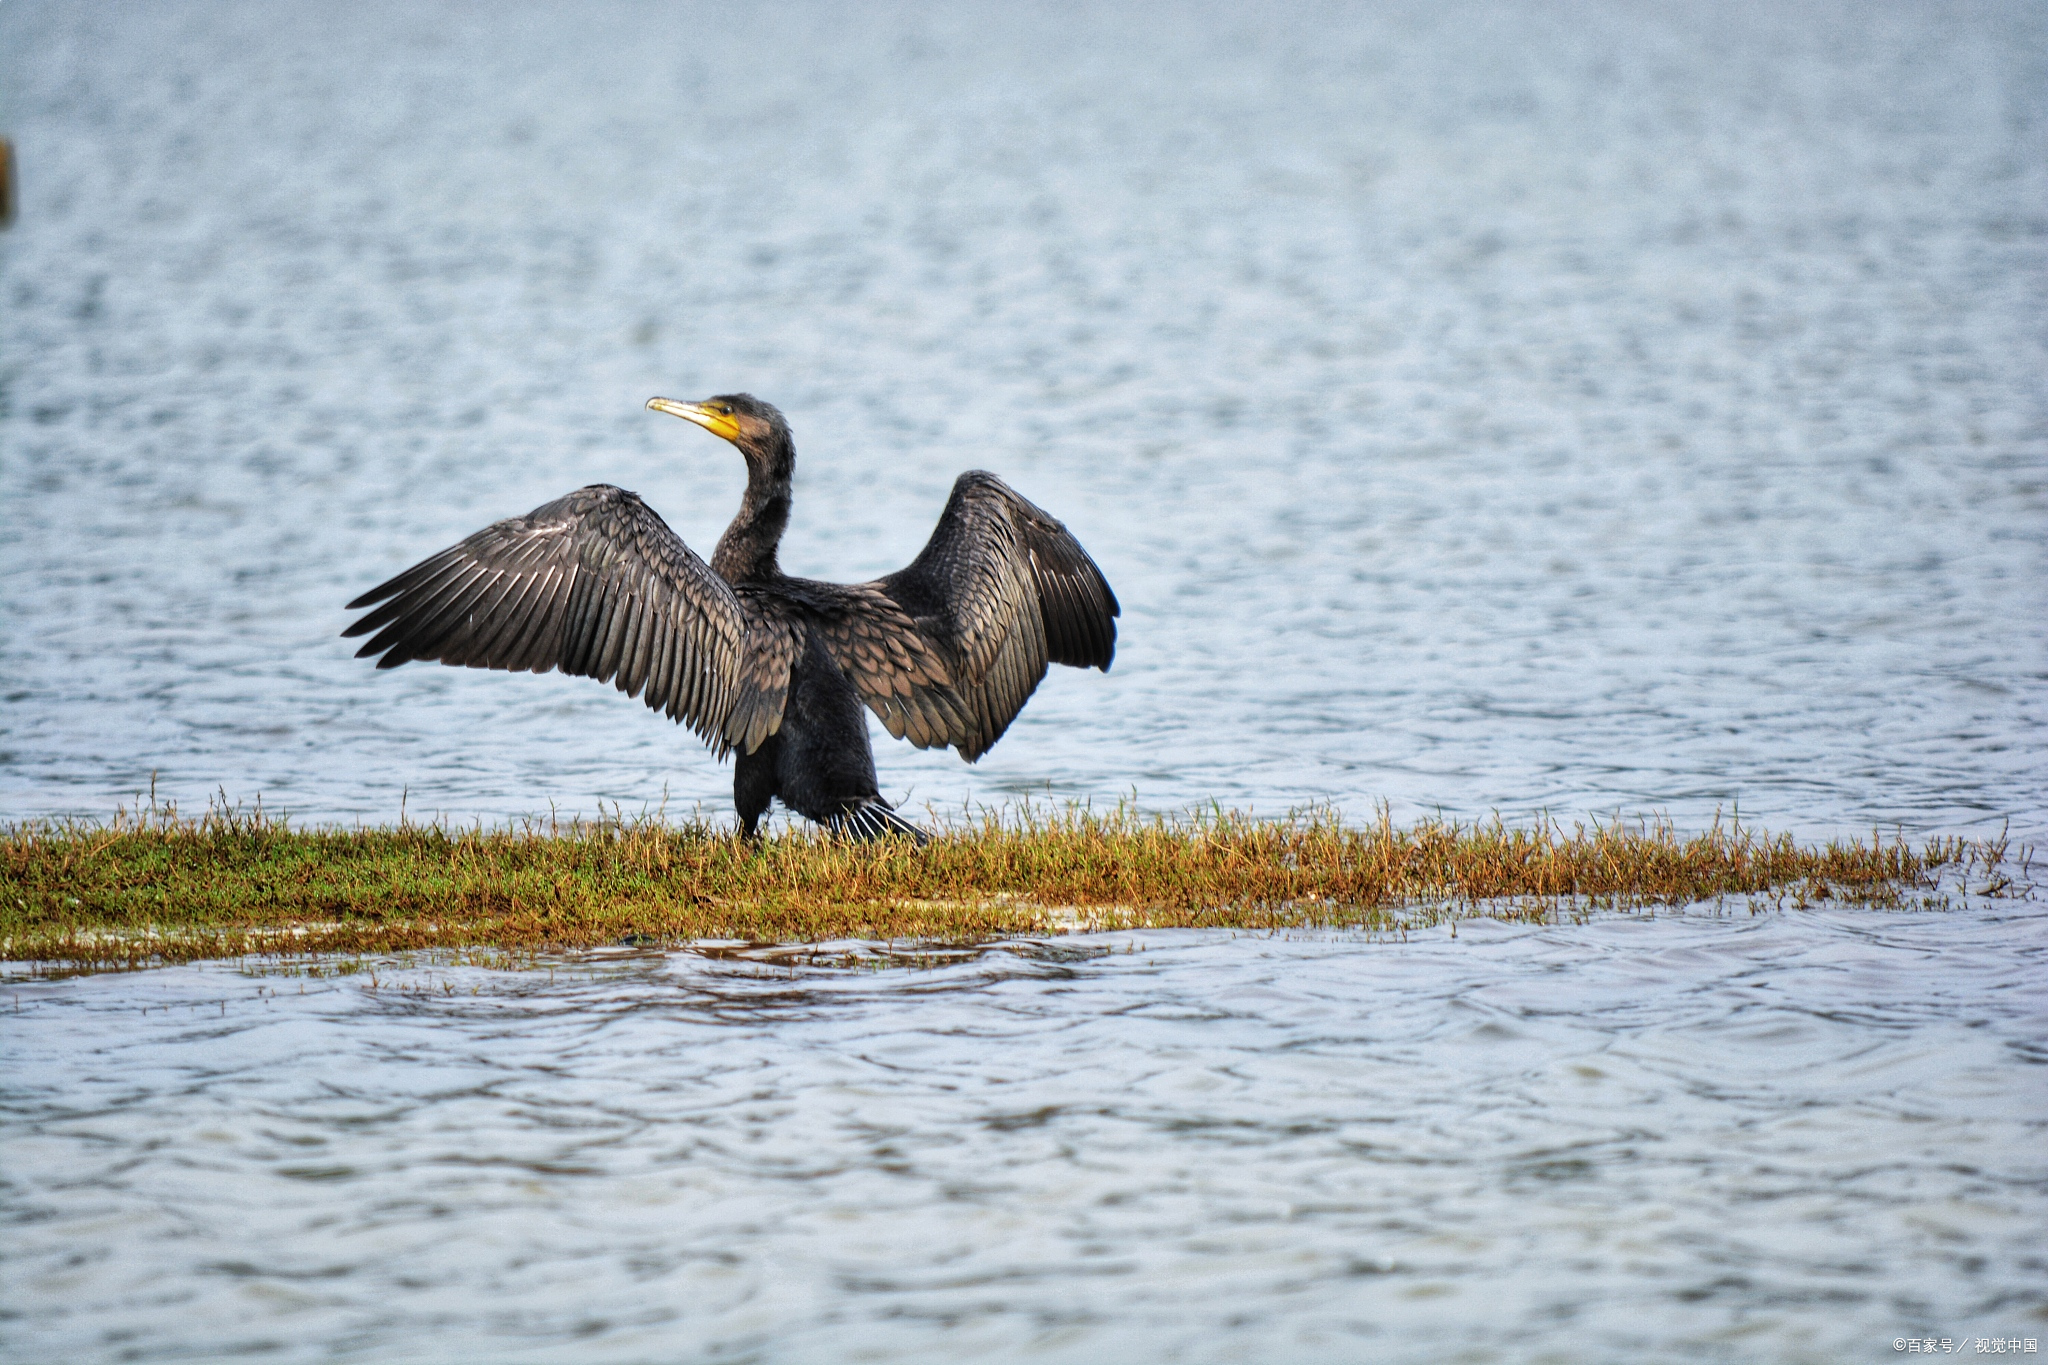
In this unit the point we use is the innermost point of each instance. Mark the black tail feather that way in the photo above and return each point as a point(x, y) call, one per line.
point(876, 821)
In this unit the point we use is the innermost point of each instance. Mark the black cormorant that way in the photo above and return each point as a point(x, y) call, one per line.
point(774, 668)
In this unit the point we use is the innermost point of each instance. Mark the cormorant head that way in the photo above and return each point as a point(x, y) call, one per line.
point(754, 426)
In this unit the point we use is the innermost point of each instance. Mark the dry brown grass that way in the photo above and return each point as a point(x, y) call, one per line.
point(163, 888)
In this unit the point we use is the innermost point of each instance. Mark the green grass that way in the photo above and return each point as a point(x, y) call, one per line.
point(163, 888)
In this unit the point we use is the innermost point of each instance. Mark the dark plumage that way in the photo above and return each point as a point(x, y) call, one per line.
point(776, 668)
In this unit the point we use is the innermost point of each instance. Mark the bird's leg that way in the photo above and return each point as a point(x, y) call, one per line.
point(753, 786)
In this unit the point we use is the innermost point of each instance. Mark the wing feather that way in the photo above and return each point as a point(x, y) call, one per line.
point(633, 652)
point(509, 618)
point(543, 605)
point(404, 589)
point(659, 655)
point(612, 618)
point(646, 651)
point(594, 584)
point(470, 632)
point(437, 618)
point(948, 650)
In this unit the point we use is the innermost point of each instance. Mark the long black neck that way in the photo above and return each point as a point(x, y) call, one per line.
point(746, 552)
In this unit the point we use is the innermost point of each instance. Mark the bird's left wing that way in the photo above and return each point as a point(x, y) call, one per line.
point(595, 584)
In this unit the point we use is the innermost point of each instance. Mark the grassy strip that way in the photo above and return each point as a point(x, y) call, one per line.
point(162, 888)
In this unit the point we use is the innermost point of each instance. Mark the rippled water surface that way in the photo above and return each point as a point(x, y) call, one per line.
point(1579, 408)
point(1584, 409)
point(1794, 1137)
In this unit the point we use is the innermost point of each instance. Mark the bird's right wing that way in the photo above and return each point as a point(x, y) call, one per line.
point(948, 650)
point(597, 585)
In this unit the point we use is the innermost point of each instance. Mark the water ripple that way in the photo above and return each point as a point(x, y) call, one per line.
point(1632, 1137)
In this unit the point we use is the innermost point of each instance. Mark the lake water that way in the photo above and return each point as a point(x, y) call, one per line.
point(1790, 1137)
point(1582, 410)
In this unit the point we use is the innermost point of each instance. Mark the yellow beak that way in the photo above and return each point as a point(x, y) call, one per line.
point(711, 419)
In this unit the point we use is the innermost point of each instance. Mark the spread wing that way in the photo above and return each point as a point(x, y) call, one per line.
point(948, 650)
point(597, 585)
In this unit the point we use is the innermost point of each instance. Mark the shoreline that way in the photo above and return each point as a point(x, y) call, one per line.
point(158, 888)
